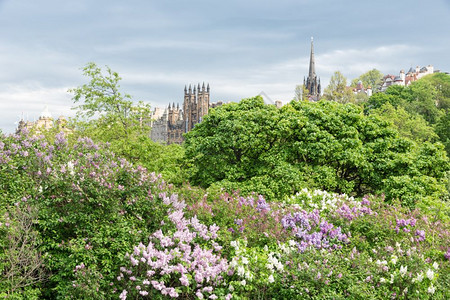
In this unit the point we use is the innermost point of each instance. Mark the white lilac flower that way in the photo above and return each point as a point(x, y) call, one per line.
point(430, 274)
point(271, 279)
point(234, 244)
point(243, 282)
point(249, 275)
point(392, 279)
point(382, 280)
point(245, 260)
point(435, 265)
point(240, 271)
point(394, 259)
point(431, 289)
point(403, 270)
point(419, 277)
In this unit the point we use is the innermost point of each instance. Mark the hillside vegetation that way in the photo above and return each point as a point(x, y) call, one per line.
point(310, 201)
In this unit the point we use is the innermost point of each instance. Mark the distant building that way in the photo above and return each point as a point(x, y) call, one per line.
point(45, 122)
point(312, 83)
point(170, 124)
point(361, 89)
point(406, 79)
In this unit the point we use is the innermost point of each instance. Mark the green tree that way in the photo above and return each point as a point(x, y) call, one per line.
point(371, 79)
point(234, 147)
point(441, 84)
point(255, 147)
point(443, 131)
point(108, 115)
point(301, 93)
point(411, 126)
point(337, 89)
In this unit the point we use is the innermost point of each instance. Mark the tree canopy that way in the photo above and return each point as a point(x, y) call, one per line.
point(371, 79)
point(337, 89)
point(106, 114)
point(256, 147)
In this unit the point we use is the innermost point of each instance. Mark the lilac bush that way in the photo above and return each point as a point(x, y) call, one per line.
point(187, 259)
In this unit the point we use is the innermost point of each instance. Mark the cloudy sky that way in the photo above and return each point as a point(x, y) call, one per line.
point(241, 47)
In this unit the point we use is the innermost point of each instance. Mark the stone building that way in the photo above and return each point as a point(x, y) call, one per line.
point(405, 79)
point(169, 126)
point(45, 122)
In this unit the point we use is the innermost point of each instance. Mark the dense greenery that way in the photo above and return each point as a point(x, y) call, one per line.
point(95, 226)
point(250, 146)
point(88, 217)
point(106, 114)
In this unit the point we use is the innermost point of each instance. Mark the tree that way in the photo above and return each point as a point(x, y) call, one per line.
point(115, 115)
point(235, 147)
point(108, 115)
point(371, 79)
point(411, 126)
point(255, 147)
point(337, 89)
point(443, 131)
point(301, 93)
point(441, 84)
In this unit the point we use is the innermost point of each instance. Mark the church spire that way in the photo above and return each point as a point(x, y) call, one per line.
point(312, 63)
point(312, 85)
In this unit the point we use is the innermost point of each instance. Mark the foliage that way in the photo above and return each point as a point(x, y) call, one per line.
point(91, 207)
point(107, 115)
point(372, 78)
point(255, 147)
point(421, 97)
point(441, 84)
point(107, 229)
point(337, 89)
point(21, 264)
point(300, 93)
point(408, 125)
point(443, 131)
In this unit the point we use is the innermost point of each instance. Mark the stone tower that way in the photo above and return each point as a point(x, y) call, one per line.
point(195, 105)
point(312, 84)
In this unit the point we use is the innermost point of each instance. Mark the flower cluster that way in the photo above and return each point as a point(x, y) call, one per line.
point(312, 231)
point(405, 224)
point(189, 256)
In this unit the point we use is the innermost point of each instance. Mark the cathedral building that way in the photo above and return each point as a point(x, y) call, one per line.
point(312, 84)
point(170, 126)
point(45, 122)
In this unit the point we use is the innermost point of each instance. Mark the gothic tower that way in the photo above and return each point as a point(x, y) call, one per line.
point(312, 84)
point(195, 106)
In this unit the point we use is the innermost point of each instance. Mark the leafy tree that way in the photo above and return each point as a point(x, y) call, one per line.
point(254, 147)
point(443, 131)
point(337, 89)
point(234, 147)
point(301, 93)
point(371, 78)
point(441, 84)
point(115, 115)
point(423, 100)
point(108, 115)
point(411, 126)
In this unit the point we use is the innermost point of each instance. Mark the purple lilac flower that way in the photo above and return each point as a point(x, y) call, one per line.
point(447, 255)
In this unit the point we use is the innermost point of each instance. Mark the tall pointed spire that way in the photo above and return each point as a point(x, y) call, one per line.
point(312, 85)
point(312, 63)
